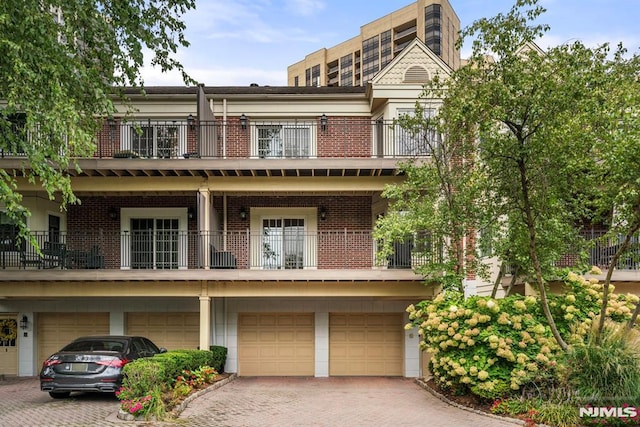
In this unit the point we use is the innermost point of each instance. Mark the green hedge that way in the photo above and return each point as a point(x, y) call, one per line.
point(146, 373)
point(219, 357)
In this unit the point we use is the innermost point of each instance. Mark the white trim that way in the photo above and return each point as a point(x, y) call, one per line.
point(310, 216)
point(285, 124)
point(126, 142)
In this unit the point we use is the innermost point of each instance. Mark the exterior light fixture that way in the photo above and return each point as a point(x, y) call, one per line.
point(191, 121)
point(243, 213)
point(111, 122)
point(113, 213)
point(191, 213)
point(323, 122)
point(243, 121)
point(24, 323)
point(323, 213)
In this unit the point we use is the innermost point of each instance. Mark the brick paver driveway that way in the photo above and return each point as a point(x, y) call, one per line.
point(251, 402)
point(332, 401)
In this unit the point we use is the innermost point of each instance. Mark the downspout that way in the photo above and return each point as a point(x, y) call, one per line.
point(224, 128)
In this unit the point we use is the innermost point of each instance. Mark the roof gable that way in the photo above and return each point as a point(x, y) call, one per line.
point(416, 64)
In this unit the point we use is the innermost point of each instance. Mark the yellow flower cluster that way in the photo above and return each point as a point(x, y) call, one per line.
point(511, 334)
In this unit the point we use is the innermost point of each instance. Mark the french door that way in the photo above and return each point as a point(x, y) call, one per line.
point(154, 243)
point(283, 243)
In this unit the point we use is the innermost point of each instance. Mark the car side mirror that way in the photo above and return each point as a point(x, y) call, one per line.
point(163, 350)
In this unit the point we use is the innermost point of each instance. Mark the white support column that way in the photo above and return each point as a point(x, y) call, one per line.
point(117, 323)
point(27, 365)
point(205, 323)
point(322, 344)
point(204, 222)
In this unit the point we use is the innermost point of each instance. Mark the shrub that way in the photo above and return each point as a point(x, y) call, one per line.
point(607, 373)
point(497, 347)
point(219, 358)
point(173, 374)
point(141, 376)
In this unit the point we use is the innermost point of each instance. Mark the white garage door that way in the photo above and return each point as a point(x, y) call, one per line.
point(366, 344)
point(172, 331)
point(55, 330)
point(276, 344)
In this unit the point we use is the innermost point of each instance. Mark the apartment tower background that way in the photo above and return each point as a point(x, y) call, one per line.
point(355, 61)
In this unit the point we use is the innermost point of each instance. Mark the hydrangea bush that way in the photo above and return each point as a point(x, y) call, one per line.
point(494, 347)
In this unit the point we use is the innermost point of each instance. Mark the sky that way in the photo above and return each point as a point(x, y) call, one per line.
point(239, 42)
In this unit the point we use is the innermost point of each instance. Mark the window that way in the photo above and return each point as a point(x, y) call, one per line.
point(154, 243)
point(370, 57)
point(433, 36)
point(54, 228)
point(283, 140)
point(160, 139)
point(386, 53)
point(346, 70)
point(8, 233)
point(154, 238)
point(419, 141)
point(12, 131)
point(284, 238)
point(283, 242)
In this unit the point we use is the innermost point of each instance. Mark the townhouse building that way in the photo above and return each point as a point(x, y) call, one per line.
point(233, 216)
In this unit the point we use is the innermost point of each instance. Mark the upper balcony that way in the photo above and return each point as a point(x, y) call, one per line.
point(240, 146)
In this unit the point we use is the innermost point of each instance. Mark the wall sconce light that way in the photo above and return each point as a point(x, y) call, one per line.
point(113, 213)
point(243, 121)
point(191, 121)
point(243, 213)
point(323, 122)
point(111, 122)
point(323, 213)
point(24, 323)
point(191, 213)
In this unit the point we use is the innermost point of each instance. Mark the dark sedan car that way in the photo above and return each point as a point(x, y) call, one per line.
point(92, 364)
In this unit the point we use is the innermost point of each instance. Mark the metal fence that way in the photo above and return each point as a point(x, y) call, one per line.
point(159, 250)
point(256, 139)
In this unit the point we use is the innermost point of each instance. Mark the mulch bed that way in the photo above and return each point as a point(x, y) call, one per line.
point(468, 400)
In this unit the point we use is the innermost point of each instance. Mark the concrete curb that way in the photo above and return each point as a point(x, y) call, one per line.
point(422, 382)
point(125, 416)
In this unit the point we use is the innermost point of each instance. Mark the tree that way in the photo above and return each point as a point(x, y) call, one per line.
point(542, 123)
point(435, 203)
point(62, 65)
point(618, 153)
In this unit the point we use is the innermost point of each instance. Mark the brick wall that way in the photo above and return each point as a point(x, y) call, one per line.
point(345, 137)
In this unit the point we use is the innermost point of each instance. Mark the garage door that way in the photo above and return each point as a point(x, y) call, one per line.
point(58, 329)
point(276, 344)
point(172, 331)
point(366, 344)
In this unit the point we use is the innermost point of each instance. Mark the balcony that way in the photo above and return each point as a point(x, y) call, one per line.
point(337, 137)
point(177, 250)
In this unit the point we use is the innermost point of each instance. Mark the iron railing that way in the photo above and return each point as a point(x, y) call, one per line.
point(160, 250)
point(258, 139)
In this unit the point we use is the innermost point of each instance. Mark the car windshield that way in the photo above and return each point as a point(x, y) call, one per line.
point(95, 345)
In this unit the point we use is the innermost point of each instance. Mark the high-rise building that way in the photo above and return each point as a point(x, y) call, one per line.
point(355, 61)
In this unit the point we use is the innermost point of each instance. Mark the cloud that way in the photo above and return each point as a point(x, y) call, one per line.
point(228, 76)
point(254, 21)
point(305, 7)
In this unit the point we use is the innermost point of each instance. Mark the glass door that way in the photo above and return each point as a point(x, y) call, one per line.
point(283, 243)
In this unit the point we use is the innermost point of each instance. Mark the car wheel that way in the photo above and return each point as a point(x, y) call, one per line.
point(59, 394)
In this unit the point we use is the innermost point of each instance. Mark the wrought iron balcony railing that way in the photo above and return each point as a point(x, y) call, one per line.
point(335, 137)
point(160, 250)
